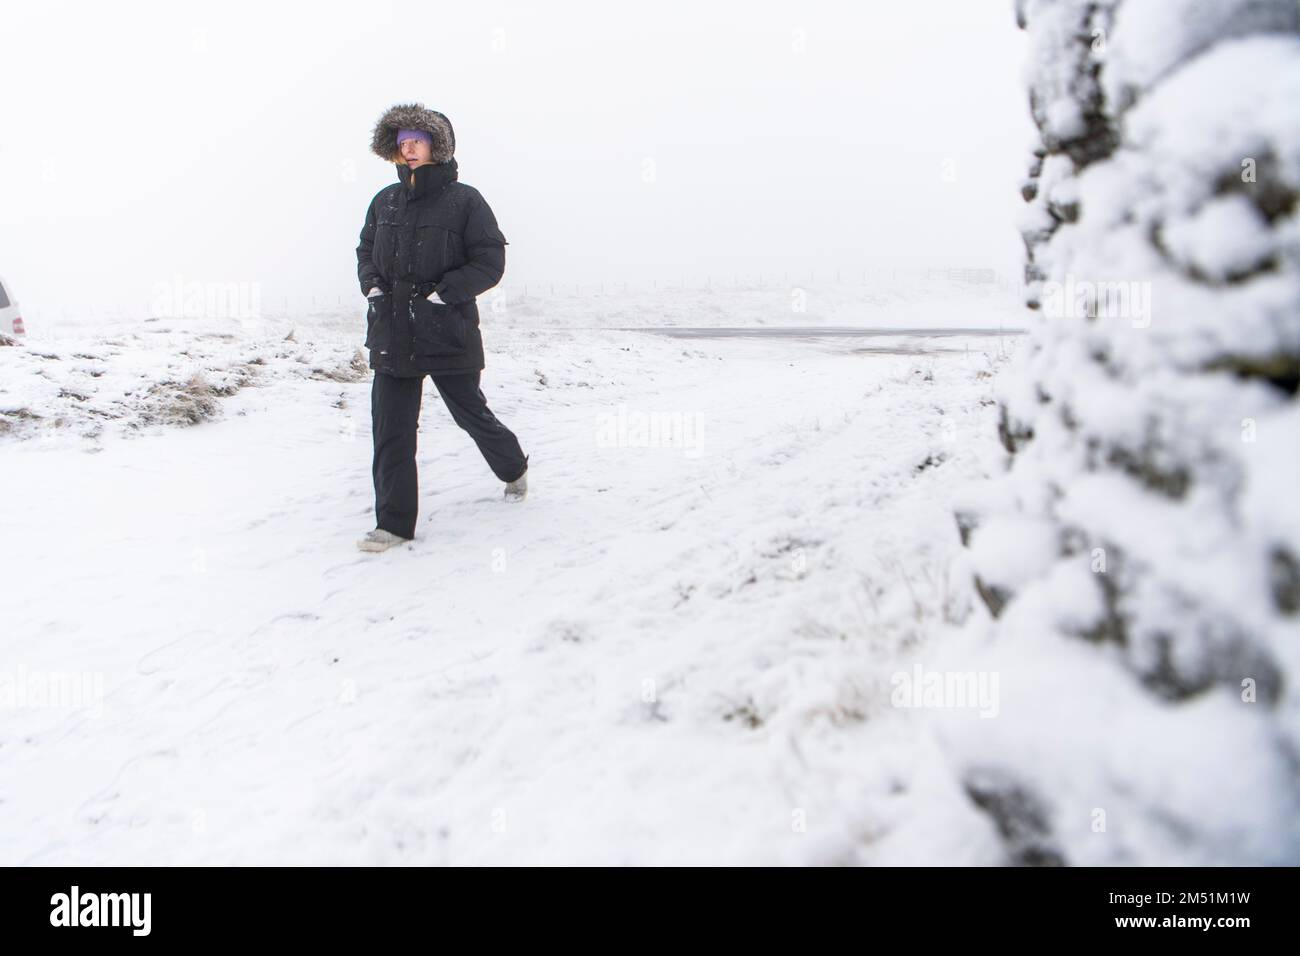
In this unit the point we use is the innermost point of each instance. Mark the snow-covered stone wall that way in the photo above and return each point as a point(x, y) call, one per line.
point(1139, 562)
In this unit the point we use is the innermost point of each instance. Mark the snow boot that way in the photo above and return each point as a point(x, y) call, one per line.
point(380, 540)
point(515, 490)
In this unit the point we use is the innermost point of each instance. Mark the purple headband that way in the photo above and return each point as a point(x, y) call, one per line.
point(403, 134)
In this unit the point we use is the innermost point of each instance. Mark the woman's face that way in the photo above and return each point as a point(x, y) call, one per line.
point(415, 152)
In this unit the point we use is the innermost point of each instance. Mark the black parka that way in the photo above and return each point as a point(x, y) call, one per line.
point(428, 232)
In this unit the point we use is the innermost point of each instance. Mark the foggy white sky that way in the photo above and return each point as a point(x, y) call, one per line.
point(228, 142)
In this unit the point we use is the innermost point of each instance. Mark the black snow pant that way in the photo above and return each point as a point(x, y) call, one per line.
point(395, 416)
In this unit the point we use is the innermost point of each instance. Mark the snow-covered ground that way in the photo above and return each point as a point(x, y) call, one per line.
point(673, 651)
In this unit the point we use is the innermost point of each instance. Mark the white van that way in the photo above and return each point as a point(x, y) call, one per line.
point(11, 318)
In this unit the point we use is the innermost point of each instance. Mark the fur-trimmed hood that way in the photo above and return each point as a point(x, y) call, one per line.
point(383, 142)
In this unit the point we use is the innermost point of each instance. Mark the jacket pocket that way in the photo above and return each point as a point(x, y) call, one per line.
point(379, 323)
point(439, 329)
point(434, 249)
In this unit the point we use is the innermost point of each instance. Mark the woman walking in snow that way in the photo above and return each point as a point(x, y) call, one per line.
point(429, 246)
